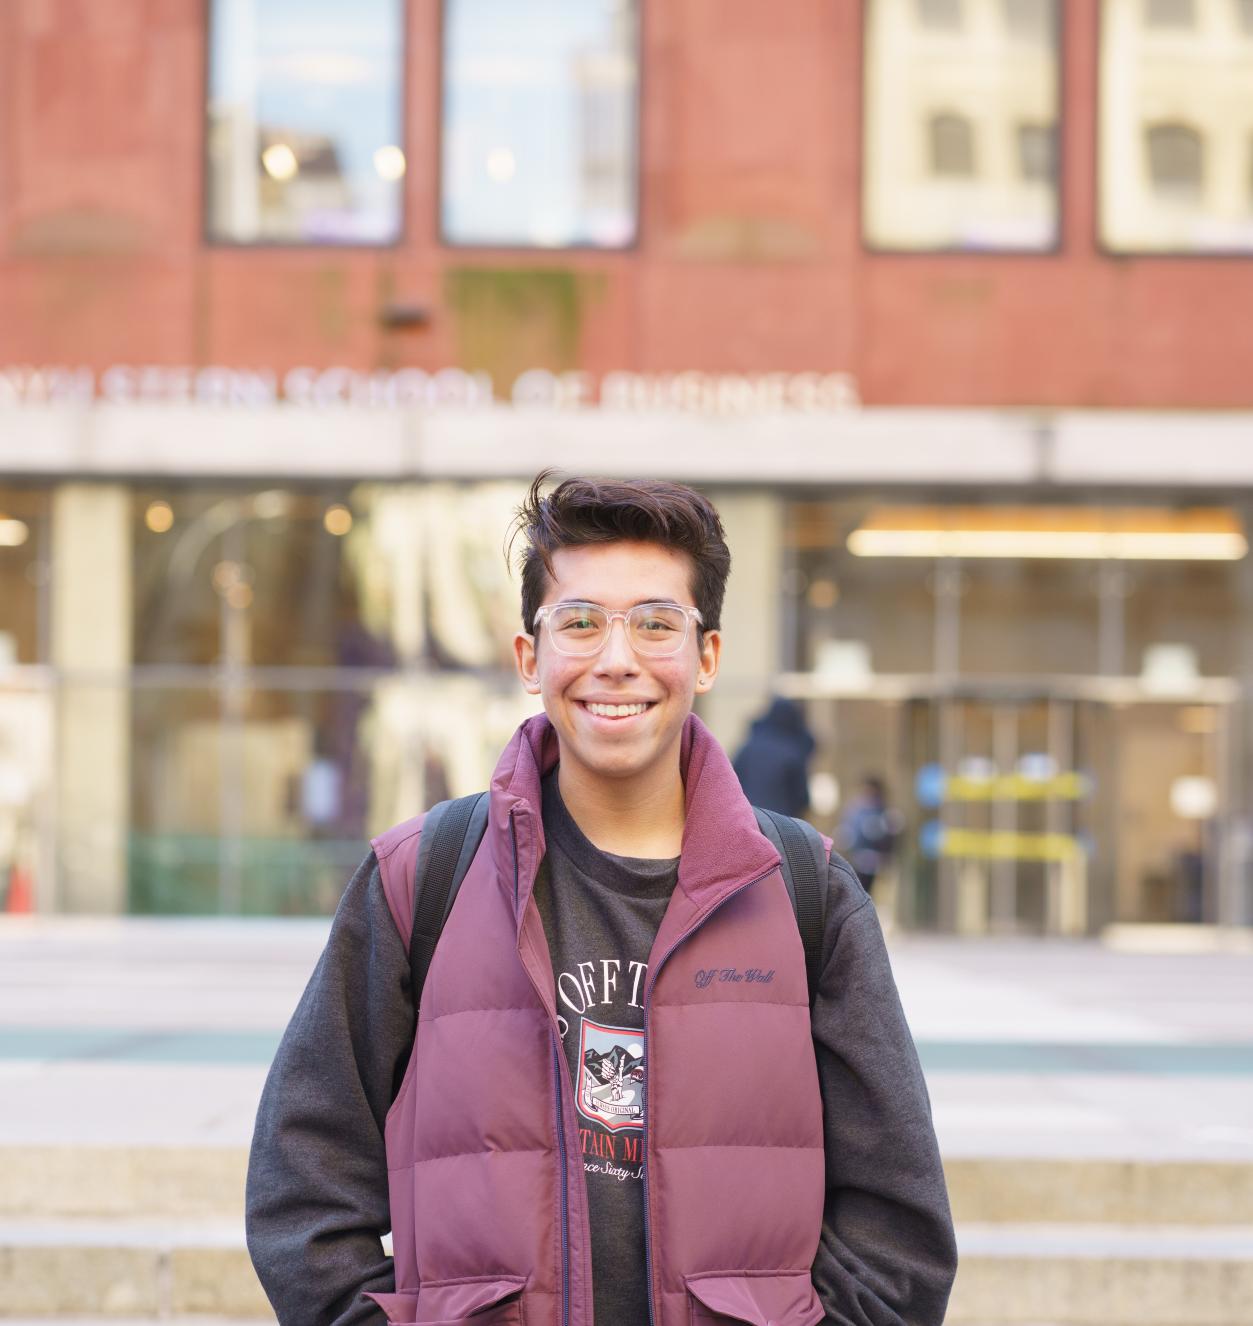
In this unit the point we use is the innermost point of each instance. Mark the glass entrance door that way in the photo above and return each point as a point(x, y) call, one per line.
point(1061, 814)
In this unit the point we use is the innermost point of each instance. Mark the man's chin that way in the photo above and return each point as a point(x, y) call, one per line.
point(612, 761)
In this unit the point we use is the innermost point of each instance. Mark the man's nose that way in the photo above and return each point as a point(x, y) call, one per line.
point(617, 654)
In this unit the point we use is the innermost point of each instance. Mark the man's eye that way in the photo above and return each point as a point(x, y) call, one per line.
point(577, 624)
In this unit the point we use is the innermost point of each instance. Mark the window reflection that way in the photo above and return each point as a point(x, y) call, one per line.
point(1169, 13)
point(24, 572)
point(960, 118)
point(539, 131)
point(1176, 122)
point(1176, 159)
point(952, 145)
point(304, 121)
point(1037, 151)
point(940, 14)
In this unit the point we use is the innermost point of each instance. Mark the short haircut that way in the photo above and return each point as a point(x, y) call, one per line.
point(579, 512)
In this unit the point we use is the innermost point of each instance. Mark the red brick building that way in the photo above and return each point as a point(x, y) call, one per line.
point(750, 252)
point(946, 301)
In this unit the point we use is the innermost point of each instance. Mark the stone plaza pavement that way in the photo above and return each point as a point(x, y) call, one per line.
point(1094, 1107)
point(153, 1032)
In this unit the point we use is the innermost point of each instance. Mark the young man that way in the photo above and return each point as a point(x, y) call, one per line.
point(620, 1106)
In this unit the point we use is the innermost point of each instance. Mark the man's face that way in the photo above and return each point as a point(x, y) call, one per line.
point(618, 576)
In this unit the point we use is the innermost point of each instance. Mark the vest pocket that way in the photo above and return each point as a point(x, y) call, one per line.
point(488, 1301)
point(763, 1298)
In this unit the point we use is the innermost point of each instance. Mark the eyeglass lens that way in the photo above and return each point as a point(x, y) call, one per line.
point(653, 628)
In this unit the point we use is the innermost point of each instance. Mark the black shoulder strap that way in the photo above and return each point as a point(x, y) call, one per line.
point(803, 854)
point(451, 834)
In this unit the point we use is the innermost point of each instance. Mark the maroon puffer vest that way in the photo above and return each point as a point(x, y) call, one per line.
point(488, 1204)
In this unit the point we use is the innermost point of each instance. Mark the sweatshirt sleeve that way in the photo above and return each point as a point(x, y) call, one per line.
point(887, 1255)
point(317, 1200)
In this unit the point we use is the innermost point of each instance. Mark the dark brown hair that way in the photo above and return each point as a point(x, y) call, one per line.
point(581, 511)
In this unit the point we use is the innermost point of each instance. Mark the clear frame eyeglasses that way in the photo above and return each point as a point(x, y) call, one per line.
point(654, 630)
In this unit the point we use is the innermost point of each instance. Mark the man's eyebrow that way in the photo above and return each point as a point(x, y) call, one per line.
point(639, 603)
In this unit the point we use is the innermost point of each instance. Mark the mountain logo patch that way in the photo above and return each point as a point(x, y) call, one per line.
point(611, 1081)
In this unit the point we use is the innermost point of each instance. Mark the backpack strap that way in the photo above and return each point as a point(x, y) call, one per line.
point(803, 855)
point(451, 833)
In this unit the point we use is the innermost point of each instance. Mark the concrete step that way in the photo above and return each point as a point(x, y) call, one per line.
point(119, 1268)
point(1100, 1191)
point(1011, 1274)
point(124, 1181)
point(203, 1181)
point(1102, 1275)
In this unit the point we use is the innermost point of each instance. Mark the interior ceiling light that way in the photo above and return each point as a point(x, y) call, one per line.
point(1198, 534)
point(13, 532)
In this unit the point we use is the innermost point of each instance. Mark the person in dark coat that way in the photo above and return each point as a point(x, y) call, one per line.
point(869, 831)
point(773, 764)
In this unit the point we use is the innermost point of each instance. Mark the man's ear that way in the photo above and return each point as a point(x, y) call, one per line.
point(526, 662)
point(710, 653)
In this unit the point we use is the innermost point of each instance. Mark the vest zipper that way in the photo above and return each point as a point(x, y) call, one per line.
point(565, 1217)
point(561, 1128)
point(648, 994)
point(513, 834)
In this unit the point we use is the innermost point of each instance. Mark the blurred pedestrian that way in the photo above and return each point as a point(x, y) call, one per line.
point(773, 764)
point(869, 830)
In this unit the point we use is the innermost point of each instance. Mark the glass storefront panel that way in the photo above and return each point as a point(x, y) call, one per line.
point(24, 528)
point(26, 785)
point(282, 577)
point(355, 665)
point(175, 851)
point(262, 800)
point(1185, 608)
point(1022, 617)
point(849, 614)
point(1061, 739)
point(1168, 799)
point(961, 125)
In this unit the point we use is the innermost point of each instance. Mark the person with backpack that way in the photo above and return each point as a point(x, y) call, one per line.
point(603, 1044)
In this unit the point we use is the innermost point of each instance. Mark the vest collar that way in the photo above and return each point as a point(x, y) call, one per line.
point(722, 846)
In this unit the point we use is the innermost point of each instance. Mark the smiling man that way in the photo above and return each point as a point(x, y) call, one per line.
point(621, 1104)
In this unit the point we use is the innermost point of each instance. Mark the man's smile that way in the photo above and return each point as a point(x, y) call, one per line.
point(616, 711)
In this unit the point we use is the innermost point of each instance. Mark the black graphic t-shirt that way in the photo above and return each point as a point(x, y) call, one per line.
point(601, 914)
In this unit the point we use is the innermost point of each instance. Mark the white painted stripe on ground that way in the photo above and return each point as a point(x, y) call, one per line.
point(1137, 1242)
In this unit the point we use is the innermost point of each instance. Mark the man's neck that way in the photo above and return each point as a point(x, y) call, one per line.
point(640, 816)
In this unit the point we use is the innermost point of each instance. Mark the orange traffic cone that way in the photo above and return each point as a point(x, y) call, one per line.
point(21, 899)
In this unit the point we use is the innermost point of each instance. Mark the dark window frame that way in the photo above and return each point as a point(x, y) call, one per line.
point(404, 93)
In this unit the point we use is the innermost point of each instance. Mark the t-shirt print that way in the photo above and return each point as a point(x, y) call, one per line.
point(611, 1090)
point(601, 1020)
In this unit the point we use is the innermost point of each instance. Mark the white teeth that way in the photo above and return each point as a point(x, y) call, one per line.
point(617, 710)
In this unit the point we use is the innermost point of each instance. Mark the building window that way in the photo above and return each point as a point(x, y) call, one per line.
point(945, 15)
point(1176, 158)
point(304, 135)
point(1169, 13)
point(1037, 152)
point(540, 123)
point(1029, 20)
point(942, 116)
point(952, 145)
point(1175, 116)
